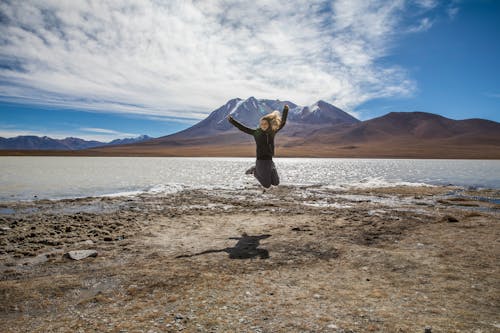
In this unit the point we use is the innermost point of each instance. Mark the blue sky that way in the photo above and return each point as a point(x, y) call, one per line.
point(104, 70)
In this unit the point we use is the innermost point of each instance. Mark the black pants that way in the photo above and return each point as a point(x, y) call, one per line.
point(266, 173)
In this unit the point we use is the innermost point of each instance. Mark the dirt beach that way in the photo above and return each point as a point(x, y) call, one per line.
point(293, 259)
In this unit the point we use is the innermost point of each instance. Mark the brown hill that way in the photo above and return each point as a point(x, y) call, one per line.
point(413, 126)
point(406, 134)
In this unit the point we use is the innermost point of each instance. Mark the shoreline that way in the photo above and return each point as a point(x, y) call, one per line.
point(173, 188)
point(296, 258)
point(251, 154)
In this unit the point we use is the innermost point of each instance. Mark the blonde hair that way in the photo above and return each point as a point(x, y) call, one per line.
point(274, 120)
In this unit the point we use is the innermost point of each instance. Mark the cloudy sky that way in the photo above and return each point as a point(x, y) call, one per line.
point(105, 69)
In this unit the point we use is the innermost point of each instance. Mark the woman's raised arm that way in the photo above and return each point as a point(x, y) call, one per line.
point(283, 117)
point(240, 126)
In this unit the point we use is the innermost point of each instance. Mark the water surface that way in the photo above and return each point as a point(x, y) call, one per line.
point(39, 177)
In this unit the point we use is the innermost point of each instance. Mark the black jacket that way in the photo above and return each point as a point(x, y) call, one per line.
point(263, 139)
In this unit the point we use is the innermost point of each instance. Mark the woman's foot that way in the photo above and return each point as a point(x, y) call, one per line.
point(250, 171)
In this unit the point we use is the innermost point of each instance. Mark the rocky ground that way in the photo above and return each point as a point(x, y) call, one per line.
point(293, 259)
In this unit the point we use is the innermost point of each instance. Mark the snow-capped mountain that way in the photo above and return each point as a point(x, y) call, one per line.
point(322, 112)
point(249, 111)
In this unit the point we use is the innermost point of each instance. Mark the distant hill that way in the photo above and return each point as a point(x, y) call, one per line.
point(140, 138)
point(413, 127)
point(406, 134)
point(31, 142)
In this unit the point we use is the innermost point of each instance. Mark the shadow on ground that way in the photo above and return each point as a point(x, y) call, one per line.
point(247, 247)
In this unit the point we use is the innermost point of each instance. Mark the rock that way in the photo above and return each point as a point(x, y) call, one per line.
point(450, 219)
point(80, 254)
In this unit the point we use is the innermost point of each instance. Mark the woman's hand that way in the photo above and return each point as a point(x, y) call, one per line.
point(285, 108)
point(229, 117)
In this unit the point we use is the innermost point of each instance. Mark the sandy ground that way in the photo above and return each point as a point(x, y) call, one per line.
point(293, 259)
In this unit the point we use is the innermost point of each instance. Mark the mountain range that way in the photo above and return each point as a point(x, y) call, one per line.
point(32, 142)
point(321, 130)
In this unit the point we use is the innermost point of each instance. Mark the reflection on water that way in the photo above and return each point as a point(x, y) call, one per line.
point(60, 177)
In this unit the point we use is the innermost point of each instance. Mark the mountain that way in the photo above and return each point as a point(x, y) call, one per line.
point(320, 130)
point(409, 134)
point(322, 112)
point(72, 143)
point(249, 112)
point(323, 130)
point(125, 141)
point(415, 128)
point(31, 142)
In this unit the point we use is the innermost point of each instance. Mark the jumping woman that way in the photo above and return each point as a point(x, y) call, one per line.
point(265, 170)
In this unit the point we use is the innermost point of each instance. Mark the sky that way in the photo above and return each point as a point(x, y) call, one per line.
point(109, 69)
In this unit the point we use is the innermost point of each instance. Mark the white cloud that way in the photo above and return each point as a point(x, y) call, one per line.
point(97, 130)
point(185, 58)
point(105, 131)
point(424, 25)
point(427, 4)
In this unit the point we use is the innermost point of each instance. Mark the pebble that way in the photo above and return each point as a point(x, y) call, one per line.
point(80, 254)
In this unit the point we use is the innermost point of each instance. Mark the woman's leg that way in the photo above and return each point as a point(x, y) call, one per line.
point(263, 172)
point(275, 179)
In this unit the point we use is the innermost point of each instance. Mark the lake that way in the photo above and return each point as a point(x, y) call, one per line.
point(24, 177)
